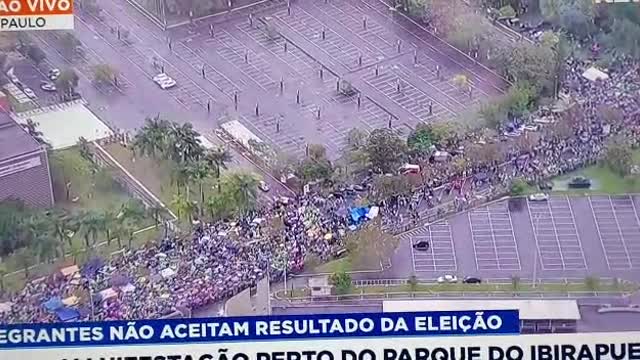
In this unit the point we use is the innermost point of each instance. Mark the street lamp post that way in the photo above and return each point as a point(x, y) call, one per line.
point(535, 256)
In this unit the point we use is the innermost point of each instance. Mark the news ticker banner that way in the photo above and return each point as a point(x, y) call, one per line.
point(259, 328)
point(590, 346)
point(23, 15)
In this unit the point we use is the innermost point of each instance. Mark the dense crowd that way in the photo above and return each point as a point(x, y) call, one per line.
point(223, 258)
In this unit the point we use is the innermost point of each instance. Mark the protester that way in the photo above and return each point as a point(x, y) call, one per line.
point(223, 258)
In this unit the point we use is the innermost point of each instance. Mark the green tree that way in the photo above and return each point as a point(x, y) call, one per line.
point(69, 44)
point(32, 128)
point(67, 82)
point(370, 247)
point(316, 166)
point(242, 189)
point(471, 31)
point(183, 206)
point(200, 172)
point(619, 156)
point(421, 139)
point(507, 12)
point(62, 228)
point(218, 160)
point(341, 281)
point(387, 186)
point(107, 220)
point(90, 228)
point(385, 150)
point(26, 258)
point(153, 138)
point(184, 144)
point(36, 54)
point(104, 74)
point(625, 37)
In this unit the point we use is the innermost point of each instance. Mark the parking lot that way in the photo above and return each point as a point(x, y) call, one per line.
point(440, 257)
point(618, 229)
point(557, 240)
point(562, 237)
point(292, 65)
point(494, 242)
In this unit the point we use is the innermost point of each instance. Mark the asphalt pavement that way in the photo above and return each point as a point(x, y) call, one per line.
point(565, 237)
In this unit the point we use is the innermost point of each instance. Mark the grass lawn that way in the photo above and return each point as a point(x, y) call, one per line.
point(334, 266)
point(483, 288)
point(89, 189)
point(155, 174)
point(604, 181)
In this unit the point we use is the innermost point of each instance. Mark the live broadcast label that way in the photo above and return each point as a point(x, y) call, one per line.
point(24, 15)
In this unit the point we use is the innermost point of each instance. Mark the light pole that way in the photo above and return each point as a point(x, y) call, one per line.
point(535, 256)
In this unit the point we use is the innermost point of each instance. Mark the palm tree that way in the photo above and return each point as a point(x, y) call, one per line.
point(91, 226)
point(132, 211)
point(62, 228)
point(156, 212)
point(217, 160)
point(76, 251)
point(107, 219)
point(152, 139)
point(41, 237)
point(243, 188)
point(181, 177)
point(184, 143)
point(26, 258)
point(45, 247)
point(200, 171)
point(182, 205)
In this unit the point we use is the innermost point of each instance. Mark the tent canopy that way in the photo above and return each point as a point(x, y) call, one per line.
point(71, 301)
point(595, 74)
point(107, 294)
point(67, 314)
point(5, 307)
point(69, 270)
point(53, 304)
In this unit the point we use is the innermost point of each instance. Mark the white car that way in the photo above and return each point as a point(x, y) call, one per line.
point(30, 94)
point(535, 127)
point(53, 74)
point(538, 197)
point(164, 81)
point(263, 186)
point(447, 279)
point(47, 86)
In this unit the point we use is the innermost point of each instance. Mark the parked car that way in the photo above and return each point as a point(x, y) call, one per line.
point(538, 197)
point(30, 93)
point(263, 186)
point(447, 279)
point(580, 182)
point(534, 127)
point(471, 280)
point(47, 86)
point(53, 74)
point(421, 245)
point(164, 81)
point(546, 186)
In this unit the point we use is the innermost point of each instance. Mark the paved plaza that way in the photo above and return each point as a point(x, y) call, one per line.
point(564, 237)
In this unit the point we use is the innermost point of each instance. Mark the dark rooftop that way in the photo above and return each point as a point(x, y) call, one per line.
point(14, 140)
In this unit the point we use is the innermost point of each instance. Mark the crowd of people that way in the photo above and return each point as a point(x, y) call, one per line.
point(222, 258)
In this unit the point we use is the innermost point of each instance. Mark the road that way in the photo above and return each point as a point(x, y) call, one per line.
point(137, 97)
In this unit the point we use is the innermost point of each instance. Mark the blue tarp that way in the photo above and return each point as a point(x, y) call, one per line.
point(67, 314)
point(358, 214)
point(53, 304)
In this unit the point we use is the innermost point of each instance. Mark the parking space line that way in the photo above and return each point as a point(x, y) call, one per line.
point(618, 228)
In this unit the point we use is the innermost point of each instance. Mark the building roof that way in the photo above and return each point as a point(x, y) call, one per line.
point(63, 124)
point(529, 309)
point(14, 140)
